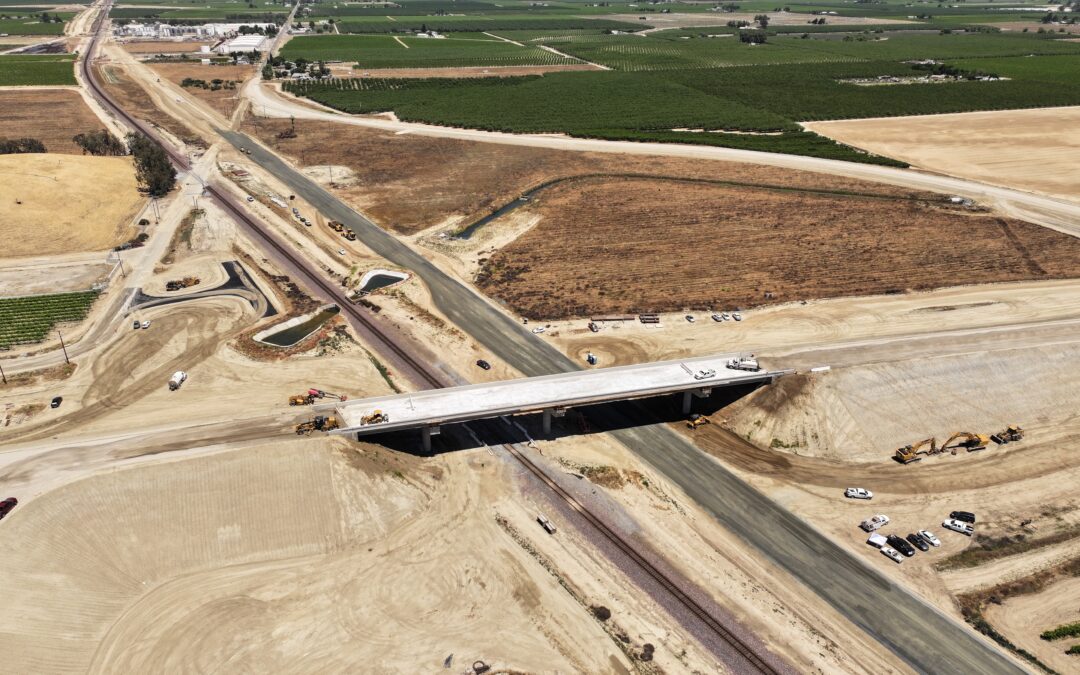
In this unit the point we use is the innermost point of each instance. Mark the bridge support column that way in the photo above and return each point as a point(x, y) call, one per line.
point(548, 414)
point(686, 400)
point(426, 433)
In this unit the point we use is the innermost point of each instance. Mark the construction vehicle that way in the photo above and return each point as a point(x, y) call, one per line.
point(697, 420)
point(374, 417)
point(302, 399)
point(181, 284)
point(350, 235)
point(319, 393)
point(336, 226)
point(319, 423)
point(1011, 433)
point(177, 379)
point(969, 441)
point(748, 363)
point(910, 453)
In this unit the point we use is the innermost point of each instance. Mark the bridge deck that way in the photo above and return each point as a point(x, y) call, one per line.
point(533, 394)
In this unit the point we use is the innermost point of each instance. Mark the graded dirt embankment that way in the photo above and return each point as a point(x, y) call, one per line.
point(298, 555)
point(53, 116)
point(66, 204)
point(410, 183)
point(1025, 149)
point(224, 100)
point(640, 245)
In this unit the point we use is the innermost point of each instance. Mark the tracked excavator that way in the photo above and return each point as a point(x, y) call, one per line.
point(969, 441)
point(1011, 433)
point(911, 453)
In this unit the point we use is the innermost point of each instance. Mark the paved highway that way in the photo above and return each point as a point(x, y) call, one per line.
point(926, 639)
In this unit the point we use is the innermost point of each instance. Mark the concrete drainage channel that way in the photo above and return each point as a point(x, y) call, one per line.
point(376, 279)
point(296, 329)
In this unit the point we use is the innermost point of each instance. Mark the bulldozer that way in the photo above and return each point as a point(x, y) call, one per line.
point(375, 417)
point(302, 399)
point(971, 442)
point(1011, 433)
point(697, 420)
point(910, 453)
point(319, 423)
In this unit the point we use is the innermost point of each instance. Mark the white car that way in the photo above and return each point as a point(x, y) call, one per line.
point(690, 318)
point(929, 537)
point(717, 318)
point(874, 522)
point(538, 330)
point(858, 493)
point(704, 374)
point(145, 325)
point(341, 251)
point(725, 316)
point(892, 554)
point(737, 316)
point(250, 198)
point(959, 526)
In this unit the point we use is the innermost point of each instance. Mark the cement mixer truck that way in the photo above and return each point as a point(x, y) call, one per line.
point(177, 379)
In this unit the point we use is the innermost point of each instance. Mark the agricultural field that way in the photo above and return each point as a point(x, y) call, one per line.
point(371, 51)
point(37, 70)
point(52, 116)
point(448, 24)
point(30, 318)
point(224, 98)
point(21, 22)
point(689, 235)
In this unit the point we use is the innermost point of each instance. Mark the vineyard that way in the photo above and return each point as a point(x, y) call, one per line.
point(371, 51)
point(31, 70)
point(637, 235)
point(448, 24)
point(31, 318)
point(32, 26)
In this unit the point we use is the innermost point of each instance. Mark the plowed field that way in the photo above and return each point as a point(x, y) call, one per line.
point(634, 245)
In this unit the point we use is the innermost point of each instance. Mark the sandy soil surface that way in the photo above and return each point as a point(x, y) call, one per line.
point(355, 582)
point(411, 183)
point(693, 20)
point(696, 237)
point(68, 203)
point(163, 47)
point(1013, 148)
point(52, 278)
point(134, 99)
point(1023, 618)
point(222, 100)
point(52, 116)
point(346, 70)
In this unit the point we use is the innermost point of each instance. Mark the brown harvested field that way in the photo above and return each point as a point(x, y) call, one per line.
point(1033, 27)
point(346, 70)
point(52, 116)
point(223, 100)
point(66, 204)
point(135, 100)
point(1014, 148)
point(636, 245)
point(410, 183)
point(159, 47)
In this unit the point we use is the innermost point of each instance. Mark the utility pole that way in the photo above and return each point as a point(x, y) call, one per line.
point(2, 375)
point(121, 263)
point(64, 347)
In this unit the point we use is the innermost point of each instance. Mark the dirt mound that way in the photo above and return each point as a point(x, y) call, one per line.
point(66, 204)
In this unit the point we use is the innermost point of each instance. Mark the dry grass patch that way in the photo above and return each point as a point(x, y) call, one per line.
point(134, 99)
point(635, 245)
point(52, 116)
point(66, 204)
point(410, 183)
point(224, 100)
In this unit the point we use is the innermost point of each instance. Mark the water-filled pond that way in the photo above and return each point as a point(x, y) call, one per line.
point(287, 337)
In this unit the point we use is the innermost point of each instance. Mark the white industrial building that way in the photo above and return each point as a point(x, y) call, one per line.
point(243, 44)
point(208, 30)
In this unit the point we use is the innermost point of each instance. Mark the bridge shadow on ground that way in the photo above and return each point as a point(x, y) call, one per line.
point(584, 421)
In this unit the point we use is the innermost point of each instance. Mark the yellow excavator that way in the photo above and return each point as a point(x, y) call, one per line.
point(910, 453)
point(969, 441)
point(1011, 433)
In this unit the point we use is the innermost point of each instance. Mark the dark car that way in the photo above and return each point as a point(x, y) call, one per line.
point(900, 544)
point(965, 516)
point(57, 401)
point(7, 505)
point(918, 542)
point(484, 364)
point(136, 325)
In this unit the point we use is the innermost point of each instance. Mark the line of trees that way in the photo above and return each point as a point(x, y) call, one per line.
point(152, 166)
point(100, 143)
point(18, 146)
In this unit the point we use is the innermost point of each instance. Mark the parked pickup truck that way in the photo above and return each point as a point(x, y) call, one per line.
point(874, 522)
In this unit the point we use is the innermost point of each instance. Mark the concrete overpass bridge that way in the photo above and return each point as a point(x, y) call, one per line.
point(551, 395)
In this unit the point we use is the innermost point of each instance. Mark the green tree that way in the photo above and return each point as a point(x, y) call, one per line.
point(18, 146)
point(152, 166)
point(100, 143)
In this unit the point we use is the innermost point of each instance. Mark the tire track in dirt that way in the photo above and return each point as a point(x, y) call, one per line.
point(1033, 265)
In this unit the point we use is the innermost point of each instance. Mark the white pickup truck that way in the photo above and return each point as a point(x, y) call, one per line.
point(874, 522)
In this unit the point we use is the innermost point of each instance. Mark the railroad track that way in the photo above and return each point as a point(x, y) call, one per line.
point(420, 370)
